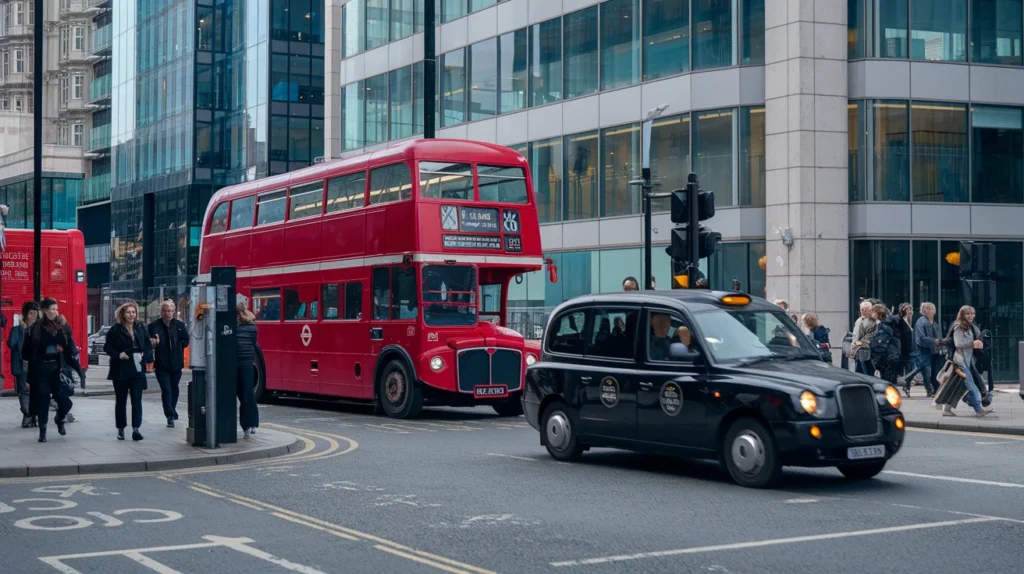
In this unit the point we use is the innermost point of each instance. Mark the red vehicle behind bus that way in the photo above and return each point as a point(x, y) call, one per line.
point(63, 277)
point(385, 277)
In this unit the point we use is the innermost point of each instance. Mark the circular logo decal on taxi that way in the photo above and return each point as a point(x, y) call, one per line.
point(671, 399)
point(609, 392)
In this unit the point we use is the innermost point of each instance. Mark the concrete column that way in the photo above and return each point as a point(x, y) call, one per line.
point(332, 78)
point(807, 207)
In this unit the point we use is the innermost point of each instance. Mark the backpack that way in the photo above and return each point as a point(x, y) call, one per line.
point(885, 345)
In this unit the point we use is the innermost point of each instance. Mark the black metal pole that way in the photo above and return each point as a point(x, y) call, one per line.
point(692, 230)
point(429, 70)
point(646, 190)
point(37, 156)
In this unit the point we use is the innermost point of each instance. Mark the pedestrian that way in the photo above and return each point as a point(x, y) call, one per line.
point(953, 386)
point(245, 335)
point(16, 342)
point(885, 344)
point(905, 331)
point(630, 284)
point(819, 333)
point(48, 348)
point(964, 345)
point(782, 304)
point(863, 332)
point(129, 349)
point(169, 337)
point(926, 352)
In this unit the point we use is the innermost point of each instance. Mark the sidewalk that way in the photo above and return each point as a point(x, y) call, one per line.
point(91, 445)
point(1008, 417)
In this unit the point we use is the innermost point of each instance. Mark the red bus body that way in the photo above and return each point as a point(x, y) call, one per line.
point(344, 287)
point(63, 277)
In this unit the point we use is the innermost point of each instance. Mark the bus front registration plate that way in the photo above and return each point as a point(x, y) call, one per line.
point(490, 391)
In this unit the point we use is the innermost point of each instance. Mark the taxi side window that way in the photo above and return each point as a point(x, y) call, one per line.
point(613, 334)
point(663, 329)
point(567, 333)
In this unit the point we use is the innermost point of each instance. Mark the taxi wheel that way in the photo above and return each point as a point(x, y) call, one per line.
point(559, 428)
point(750, 454)
point(861, 471)
point(400, 396)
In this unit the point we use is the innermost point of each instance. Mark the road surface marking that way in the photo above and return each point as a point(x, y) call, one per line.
point(62, 504)
point(148, 562)
point(30, 523)
point(414, 558)
point(440, 560)
point(999, 442)
point(512, 456)
point(956, 479)
point(967, 433)
point(801, 500)
point(770, 542)
point(236, 544)
point(168, 515)
point(314, 526)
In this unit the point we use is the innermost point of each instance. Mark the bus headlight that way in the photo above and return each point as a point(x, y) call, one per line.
point(530, 359)
point(893, 396)
point(436, 364)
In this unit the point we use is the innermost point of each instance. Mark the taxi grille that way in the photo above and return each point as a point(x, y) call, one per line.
point(479, 367)
point(859, 410)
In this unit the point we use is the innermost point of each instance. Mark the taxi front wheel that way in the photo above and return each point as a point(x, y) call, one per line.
point(750, 454)
point(861, 471)
point(559, 428)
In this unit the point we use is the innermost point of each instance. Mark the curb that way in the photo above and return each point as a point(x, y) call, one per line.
point(151, 465)
point(962, 427)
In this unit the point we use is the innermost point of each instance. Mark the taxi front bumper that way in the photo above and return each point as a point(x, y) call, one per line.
point(799, 448)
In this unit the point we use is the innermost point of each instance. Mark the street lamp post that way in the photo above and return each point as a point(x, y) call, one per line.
point(429, 70)
point(646, 185)
point(37, 156)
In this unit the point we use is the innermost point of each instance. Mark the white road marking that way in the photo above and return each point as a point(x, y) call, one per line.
point(150, 563)
point(956, 479)
point(801, 500)
point(168, 515)
point(770, 542)
point(240, 546)
point(61, 504)
point(30, 523)
point(512, 456)
point(109, 520)
point(1000, 442)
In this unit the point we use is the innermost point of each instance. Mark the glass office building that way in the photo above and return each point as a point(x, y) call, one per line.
point(851, 148)
point(205, 94)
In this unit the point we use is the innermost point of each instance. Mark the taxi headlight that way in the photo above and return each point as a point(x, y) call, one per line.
point(809, 402)
point(893, 396)
point(436, 364)
point(530, 359)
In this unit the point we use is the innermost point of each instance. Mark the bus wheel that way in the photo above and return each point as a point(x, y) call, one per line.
point(260, 378)
point(399, 394)
point(510, 408)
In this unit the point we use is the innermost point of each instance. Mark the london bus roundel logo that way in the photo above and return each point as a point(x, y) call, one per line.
point(306, 336)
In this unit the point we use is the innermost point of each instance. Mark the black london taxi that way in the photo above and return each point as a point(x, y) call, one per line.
point(705, 374)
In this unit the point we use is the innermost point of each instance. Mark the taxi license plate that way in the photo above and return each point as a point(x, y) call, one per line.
point(490, 391)
point(862, 452)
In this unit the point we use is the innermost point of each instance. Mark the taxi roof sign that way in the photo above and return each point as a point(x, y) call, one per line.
point(736, 299)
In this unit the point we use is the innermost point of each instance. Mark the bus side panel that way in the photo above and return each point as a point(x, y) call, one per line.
point(343, 236)
point(303, 241)
point(236, 249)
point(79, 295)
point(268, 246)
point(343, 344)
point(400, 236)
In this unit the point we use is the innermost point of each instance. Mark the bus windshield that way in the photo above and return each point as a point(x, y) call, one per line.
point(449, 295)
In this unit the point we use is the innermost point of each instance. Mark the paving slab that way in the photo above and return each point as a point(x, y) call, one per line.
point(91, 445)
point(1007, 418)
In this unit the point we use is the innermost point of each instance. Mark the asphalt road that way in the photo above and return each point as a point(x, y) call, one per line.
point(464, 491)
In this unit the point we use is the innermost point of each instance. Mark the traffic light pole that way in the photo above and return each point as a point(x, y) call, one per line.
point(693, 230)
point(646, 188)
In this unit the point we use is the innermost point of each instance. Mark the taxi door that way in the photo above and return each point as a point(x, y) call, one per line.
point(607, 376)
point(672, 396)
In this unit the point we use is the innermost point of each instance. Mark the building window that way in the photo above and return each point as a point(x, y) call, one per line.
point(996, 31)
point(855, 29)
point(712, 152)
point(752, 156)
point(77, 86)
point(483, 79)
point(620, 160)
point(581, 53)
point(546, 62)
point(890, 21)
point(5, 104)
point(453, 88)
point(512, 66)
point(353, 104)
point(7, 63)
point(582, 161)
point(546, 167)
point(938, 30)
point(475, 5)
point(620, 43)
point(64, 43)
point(452, 9)
point(401, 102)
point(855, 145)
point(352, 23)
point(752, 32)
point(670, 155)
point(889, 128)
point(19, 61)
point(78, 38)
point(77, 132)
point(19, 13)
point(712, 37)
point(64, 91)
point(939, 159)
point(376, 89)
point(18, 104)
point(666, 38)
point(402, 18)
point(376, 23)
point(62, 135)
point(998, 155)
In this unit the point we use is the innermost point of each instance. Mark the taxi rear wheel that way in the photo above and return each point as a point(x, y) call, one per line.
point(750, 454)
point(861, 471)
point(559, 428)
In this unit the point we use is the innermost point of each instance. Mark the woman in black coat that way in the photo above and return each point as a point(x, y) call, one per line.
point(905, 331)
point(130, 349)
point(245, 335)
point(48, 347)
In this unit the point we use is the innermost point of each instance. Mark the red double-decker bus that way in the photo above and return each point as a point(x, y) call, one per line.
point(385, 277)
point(63, 277)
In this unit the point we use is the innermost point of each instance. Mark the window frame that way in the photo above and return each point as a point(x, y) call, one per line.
point(78, 38)
point(252, 217)
point(550, 333)
point(78, 134)
point(381, 169)
point(306, 189)
point(271, 196)
point(77, 86)
point(213, 218)
point(612, 308)
point(252, 299)
point(472, 176)
point(674, 314)
point(314, 304)
point(327, 192)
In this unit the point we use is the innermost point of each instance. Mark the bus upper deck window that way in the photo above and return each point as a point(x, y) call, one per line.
point(502, 184)
point(442, 180)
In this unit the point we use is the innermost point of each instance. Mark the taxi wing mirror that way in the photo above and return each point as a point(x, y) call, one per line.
point(679, 352)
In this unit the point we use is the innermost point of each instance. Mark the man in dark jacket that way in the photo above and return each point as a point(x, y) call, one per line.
point(16, 342)
point(169, 337)
point(927, 349)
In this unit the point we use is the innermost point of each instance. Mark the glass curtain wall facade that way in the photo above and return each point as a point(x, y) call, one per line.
point(206, 93)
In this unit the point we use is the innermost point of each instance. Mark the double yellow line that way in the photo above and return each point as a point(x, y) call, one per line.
point(382, 544)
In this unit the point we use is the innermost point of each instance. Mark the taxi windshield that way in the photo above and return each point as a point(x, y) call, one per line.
point(449, 295)
point(751, 336)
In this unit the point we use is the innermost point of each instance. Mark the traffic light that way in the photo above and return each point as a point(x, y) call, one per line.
point(691, 241)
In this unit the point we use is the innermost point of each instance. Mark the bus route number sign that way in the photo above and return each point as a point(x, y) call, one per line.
point(514, 243)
